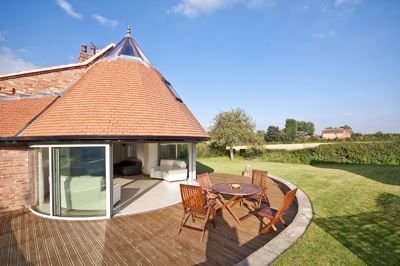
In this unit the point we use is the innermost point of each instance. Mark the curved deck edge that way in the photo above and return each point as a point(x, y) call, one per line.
point(274, 248)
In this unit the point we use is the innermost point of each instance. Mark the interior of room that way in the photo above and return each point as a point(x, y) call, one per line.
point(138, 171)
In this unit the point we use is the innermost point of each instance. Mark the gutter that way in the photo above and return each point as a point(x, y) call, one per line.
point(96, 138)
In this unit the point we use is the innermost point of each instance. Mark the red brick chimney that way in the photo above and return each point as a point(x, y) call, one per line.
point(83, 55)
point(84, 48)
point(92, 50)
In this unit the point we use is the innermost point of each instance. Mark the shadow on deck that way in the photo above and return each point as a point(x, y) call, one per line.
point(149, 238)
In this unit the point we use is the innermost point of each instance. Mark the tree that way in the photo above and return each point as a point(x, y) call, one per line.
point(290, 130)
point(232, 128)
point(273, 134)
point(306, 127)
point(345, 127)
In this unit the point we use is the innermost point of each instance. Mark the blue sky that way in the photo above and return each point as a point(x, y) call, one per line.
point(332, 62)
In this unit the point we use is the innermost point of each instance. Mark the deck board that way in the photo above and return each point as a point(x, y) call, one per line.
point(143, 239)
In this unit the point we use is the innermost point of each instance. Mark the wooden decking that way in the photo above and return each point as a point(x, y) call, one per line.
point(144, 239)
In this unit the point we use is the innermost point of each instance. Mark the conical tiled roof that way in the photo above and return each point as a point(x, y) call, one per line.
point(119, 98)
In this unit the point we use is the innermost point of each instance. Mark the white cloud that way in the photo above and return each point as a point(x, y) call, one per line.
point(10, 61)
point(260, 3)
point(193, 8)
point(323, 35)
point(105, 21)
point(347, 2)
point(68, 9)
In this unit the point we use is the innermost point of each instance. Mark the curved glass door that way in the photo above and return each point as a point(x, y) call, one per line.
point(40, 185)
point(79, 181)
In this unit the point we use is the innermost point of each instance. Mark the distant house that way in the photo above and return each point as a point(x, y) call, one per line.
point(339, 133)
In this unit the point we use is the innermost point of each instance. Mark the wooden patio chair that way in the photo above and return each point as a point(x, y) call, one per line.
point(274, 216)
point(260, 179)
point(205, 184)
point(196, 206)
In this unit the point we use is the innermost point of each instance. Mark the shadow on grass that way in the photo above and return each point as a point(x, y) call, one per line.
point(202, 168)
point(386, 174)
point(372, 236)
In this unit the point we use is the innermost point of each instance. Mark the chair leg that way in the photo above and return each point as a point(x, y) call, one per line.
point(268, 227)
point(283, 221)
point(265, 229)
point(183, 222)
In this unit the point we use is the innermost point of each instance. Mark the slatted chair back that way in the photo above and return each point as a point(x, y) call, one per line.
point(274, 219)
point(192, 199)
point(286, 202)
point(260, 178)
point(204, 181)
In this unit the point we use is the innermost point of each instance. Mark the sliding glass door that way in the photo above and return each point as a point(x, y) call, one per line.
point(40, 181)
point(79, 181)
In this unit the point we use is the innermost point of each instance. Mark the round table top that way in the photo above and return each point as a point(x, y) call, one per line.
point(245, 190)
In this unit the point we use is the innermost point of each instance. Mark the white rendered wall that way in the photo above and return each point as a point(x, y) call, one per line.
point(151, 156)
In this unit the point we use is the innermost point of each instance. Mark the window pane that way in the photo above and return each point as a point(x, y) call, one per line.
point(183, 152)
point(79, 181)
point(167, 151)
point(39, 170)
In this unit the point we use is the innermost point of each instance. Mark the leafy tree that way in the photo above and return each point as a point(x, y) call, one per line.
point(232, 128)
point(307, 127)
point(273, 134)
point(346, 127)
point(290, 130)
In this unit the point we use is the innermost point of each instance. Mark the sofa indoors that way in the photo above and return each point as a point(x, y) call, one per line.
point(128, 167)
point(170, 170)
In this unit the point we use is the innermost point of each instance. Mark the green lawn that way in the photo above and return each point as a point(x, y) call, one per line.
point(356, 211)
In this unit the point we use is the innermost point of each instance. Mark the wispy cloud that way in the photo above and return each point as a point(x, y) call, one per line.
point(193, 8)
point(347, 2)
point(323, 35)
point(68, 9)
point(260, 3)
point(12, 62)
point(105, 21)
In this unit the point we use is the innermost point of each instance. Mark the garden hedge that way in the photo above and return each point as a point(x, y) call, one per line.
point(356, 153)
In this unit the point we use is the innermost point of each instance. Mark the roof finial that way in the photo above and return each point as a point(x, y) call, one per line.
point(128, 31)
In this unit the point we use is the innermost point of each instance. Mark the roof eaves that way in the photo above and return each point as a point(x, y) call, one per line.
point(23, 139)
point(61, 67)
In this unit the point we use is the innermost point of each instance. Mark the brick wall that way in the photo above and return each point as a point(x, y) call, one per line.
point(53, 82)
point(14, 178)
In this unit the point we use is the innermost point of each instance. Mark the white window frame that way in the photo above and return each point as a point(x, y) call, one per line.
point(109, 207)
point(134, 151)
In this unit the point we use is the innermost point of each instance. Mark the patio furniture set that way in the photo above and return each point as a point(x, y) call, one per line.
point(205, 200)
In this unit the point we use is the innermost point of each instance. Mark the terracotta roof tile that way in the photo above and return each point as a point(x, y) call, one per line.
point(119, 98)
point(15, 114)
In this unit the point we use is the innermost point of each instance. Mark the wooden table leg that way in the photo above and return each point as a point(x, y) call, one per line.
point(226, 204)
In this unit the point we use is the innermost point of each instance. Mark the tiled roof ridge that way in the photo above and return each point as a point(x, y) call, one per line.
point(86, 63)
point(56, 101)
point(36, 116)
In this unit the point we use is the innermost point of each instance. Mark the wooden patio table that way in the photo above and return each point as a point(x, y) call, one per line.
point(237, 194)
